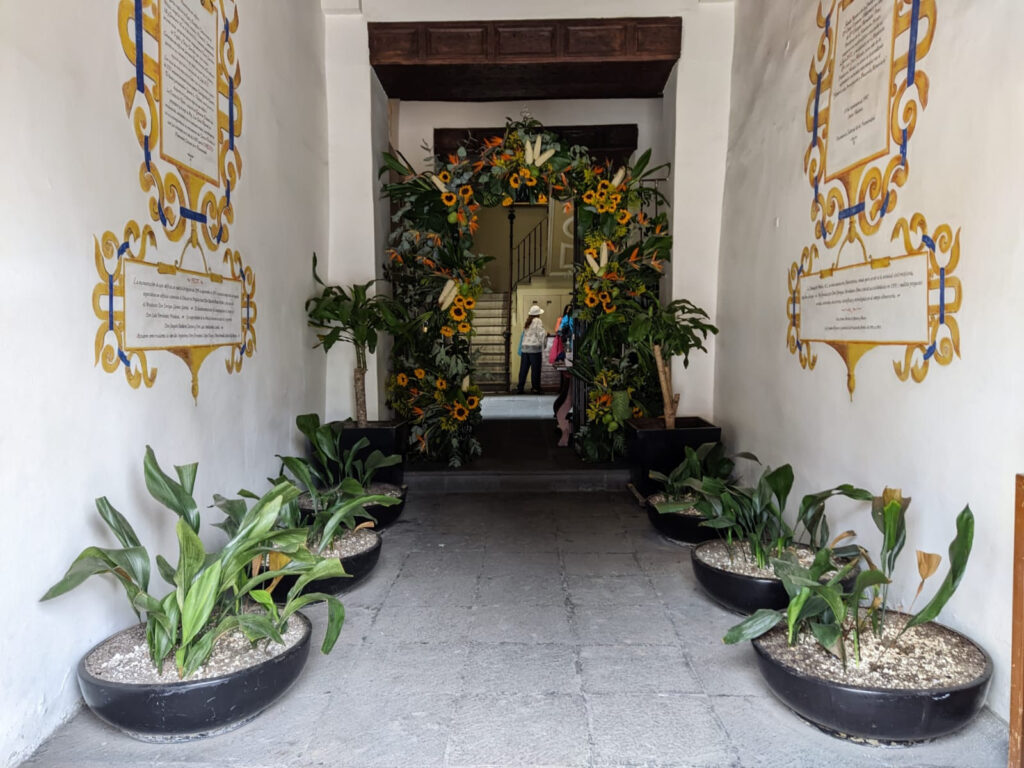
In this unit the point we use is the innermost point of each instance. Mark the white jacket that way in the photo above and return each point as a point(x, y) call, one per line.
point(535, 336)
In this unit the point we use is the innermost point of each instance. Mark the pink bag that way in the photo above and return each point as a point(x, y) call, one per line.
point(557, 350)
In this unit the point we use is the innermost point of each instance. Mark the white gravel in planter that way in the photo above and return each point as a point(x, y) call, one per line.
point(738, 559)
point(352, 543)
point(124, 658)
point(660, 498)
point(928, 656)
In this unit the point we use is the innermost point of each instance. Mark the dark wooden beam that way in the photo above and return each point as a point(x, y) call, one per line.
point(503, 60)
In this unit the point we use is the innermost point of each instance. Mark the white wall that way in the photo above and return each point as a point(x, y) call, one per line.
point(357, 116)
point(958, 437)
point(478, 10)
point(699, 95)
point(72, 432)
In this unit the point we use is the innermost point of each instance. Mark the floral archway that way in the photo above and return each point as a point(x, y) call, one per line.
point(436, 275)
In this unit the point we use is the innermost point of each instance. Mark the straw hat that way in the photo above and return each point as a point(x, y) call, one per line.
point(536, 311)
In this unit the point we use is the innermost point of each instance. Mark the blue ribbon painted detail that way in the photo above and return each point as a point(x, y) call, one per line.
point(885, 205)
point(928, 242)
point(915, 15)
point(149, 157)
point(122, 248)
point(124, 358)
point(191, 215)
point(942, 296)
point(110, 302)
point(828, 22)
point(817, 98)
point(227, 193)
point(930, 351)
point(853, 210)
point(903, 148)
point(140, 65)
point(231, 113)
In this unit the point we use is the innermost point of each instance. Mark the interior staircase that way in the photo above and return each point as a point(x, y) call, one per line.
point(489, 341)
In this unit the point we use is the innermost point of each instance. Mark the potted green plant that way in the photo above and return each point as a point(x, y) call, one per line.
point(735, 569)
point(215, 650)
point(665, 331)
point(672, 510)
point(352, 315)
point(841, 658)
point(331, 520)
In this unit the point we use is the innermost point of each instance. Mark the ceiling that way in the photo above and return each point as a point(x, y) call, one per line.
point(510, 60)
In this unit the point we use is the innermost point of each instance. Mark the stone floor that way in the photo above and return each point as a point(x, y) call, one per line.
point(526, 630)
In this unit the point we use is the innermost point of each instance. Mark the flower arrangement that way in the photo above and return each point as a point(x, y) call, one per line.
point(435, 272)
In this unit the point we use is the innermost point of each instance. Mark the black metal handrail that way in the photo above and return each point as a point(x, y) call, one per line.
point(530, 254)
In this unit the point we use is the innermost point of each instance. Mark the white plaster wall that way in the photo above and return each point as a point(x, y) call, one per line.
point(72, 432)
point(699, 95)
point(357, 119)
point(485, 10)
point(958, 437)
point(419, 119)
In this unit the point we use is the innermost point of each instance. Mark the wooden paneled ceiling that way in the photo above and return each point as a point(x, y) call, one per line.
point(510, 60)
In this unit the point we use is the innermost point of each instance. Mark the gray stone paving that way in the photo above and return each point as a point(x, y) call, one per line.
point(526, 630)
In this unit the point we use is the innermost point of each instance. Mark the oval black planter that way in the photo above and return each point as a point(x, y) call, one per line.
point(358, 566)
point(685, 528)
point(385, 516)
point(741, 593)
point(185, 711)
point(885, 715)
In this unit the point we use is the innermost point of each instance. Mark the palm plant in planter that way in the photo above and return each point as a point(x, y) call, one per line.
point(846, 662)
point(215, 604)
point(665, 331)
point(736, 570)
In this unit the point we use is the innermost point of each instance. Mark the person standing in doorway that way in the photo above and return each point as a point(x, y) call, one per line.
point(531, 345)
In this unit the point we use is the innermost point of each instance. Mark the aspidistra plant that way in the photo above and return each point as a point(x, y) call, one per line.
point(211, 592)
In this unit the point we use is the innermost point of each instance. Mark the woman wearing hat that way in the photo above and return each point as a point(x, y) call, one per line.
point(531, 345)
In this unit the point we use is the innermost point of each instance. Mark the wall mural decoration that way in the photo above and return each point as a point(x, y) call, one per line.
point(186, 112)
point(868, 87)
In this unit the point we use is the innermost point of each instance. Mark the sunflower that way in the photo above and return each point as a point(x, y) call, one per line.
point(447, 331)
point(507, 201)
point(459, 412)
point(525, 173)
point(457, 312)
point(469, 302)
point(449, 199)
point(637, 412)
point(530, 181)
point(591, 300)
point(441, 384)
point(588, 196)
point(459, 301)
point(604, 297)
point(513, 181)
point(402, 379)
point(444, 176)
point(623, 217)
point(542, 198)
point(472, 402)
point(465, 327)
point(616, 198)
point(419, 373)
point(602, 208)
point(603, 185)
point(591, 252)
point(609, 308)
point(465, 192)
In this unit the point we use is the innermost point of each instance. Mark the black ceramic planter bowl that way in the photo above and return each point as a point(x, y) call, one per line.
point(186, 711)
point(650, 446)
point(736, 591)
point(685, 528)
point(879, 714)
point(388, 437)
point(358, 567)
point(385, 516)
point(741, 593)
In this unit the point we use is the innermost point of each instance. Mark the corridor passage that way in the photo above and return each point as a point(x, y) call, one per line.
point(529, 629)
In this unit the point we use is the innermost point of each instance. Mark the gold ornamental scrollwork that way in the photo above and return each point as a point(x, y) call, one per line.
point(939, 249)
point(184, 105)
point(852, 201)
